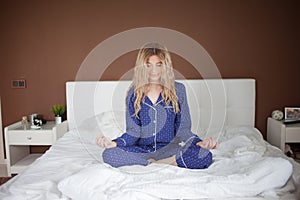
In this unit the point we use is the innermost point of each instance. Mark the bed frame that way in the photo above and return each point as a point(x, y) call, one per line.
point(213, 103)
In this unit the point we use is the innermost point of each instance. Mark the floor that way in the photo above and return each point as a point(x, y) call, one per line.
point(4, 180)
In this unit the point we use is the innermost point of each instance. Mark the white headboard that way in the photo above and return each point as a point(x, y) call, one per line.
point(213, 103)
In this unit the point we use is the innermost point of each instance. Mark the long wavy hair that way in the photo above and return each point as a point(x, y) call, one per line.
point(140, 81)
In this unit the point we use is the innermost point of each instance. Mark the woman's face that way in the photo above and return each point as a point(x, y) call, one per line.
point(154, 69)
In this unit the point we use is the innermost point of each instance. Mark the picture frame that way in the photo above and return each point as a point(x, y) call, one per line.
point(292, 113)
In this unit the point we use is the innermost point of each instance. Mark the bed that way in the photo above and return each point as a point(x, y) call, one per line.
point(244, 166)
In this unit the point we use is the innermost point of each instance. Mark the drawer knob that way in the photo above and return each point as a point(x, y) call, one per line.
point(29, 138)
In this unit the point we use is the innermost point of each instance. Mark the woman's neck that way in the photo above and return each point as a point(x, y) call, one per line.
point(155, 87)
point(153, 92)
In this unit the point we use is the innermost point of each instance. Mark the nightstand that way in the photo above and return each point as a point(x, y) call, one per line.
point(18, 141)
point(278, 133)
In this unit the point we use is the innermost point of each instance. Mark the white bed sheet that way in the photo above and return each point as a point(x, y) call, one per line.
point(244, 166)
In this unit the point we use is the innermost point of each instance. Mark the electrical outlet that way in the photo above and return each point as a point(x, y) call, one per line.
point(20, 83)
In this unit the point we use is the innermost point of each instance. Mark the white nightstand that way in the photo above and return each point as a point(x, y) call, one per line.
point(279, 133)
point(18, 141)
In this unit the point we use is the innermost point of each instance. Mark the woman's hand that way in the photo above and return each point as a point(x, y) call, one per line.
point(208, 143)
point(104, 142)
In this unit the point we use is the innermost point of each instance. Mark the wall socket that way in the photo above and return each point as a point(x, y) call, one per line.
point(20, 83)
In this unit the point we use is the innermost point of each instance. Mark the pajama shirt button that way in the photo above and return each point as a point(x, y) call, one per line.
point(154, 121)
point(153, 134)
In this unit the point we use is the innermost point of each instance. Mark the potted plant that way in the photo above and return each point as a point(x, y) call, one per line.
point(58, 111)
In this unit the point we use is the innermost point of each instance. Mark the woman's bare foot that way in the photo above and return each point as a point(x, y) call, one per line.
point(170, 160)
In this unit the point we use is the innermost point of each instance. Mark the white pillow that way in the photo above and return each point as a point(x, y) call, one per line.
point(111, 124)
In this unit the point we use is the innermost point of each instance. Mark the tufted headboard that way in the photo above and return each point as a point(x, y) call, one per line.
point(214, 103)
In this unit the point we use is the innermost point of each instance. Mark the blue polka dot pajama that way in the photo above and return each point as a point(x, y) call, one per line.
point(158, 133)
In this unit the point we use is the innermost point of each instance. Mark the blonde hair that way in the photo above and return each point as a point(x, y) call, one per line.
point(140, 78)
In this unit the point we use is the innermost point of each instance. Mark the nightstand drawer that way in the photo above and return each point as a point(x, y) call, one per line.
point(292, 134)
point(30, 138)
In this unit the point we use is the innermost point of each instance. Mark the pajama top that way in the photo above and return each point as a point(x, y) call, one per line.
point(157, 125)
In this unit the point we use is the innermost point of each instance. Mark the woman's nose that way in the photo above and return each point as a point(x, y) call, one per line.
point(153, 69)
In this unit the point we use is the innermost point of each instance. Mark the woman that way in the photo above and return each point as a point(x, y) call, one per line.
point(158, 124)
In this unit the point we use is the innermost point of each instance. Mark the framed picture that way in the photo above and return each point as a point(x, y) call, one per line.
point(292, 113)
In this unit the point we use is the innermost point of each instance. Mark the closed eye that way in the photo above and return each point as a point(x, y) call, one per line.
point(159, 64)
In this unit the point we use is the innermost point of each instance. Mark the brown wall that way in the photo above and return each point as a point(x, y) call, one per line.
point(45, 42)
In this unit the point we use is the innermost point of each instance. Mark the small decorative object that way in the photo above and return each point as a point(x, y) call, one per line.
point(24, 122)
point(35, 127)
point(292, 113)
point(32, 117)
point(38, 122)
point(277, 114)
point(58, 111)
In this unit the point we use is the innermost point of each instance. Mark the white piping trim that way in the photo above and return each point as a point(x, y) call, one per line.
point(149, 105)
point(155, 125)
point(155, 128)
point(123, 141)
point(190, 139)
point(182, 143)
point(182, 159)
point(158, 102)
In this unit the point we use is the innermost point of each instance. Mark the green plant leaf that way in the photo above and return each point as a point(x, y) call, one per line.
point(58, 109)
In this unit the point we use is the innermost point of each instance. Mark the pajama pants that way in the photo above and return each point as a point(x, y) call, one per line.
point(189, 156)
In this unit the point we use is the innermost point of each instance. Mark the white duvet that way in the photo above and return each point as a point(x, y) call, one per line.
point(244, 166)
